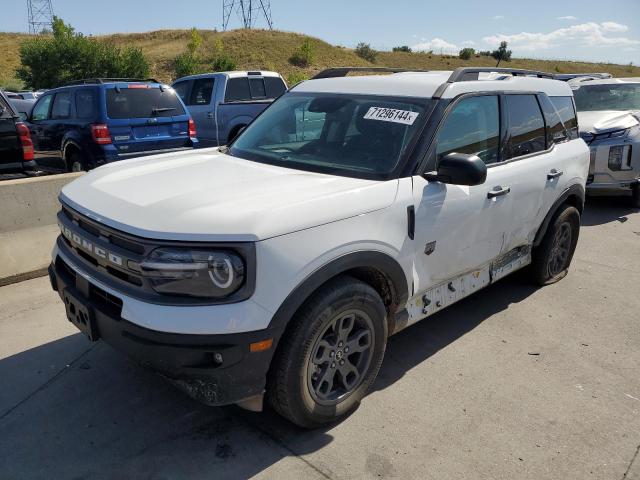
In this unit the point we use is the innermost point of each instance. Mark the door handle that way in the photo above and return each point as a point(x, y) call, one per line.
point(498, 191)
point(553, 174)
point(209, 114)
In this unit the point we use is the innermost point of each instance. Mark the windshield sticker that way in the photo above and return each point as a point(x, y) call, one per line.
point(391, 115)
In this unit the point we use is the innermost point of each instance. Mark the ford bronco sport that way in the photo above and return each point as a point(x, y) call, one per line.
point(351, 208)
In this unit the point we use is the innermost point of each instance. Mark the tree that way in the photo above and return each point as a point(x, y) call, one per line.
point(467, 53)
point(364, 51)
point(501, 53)
point(194, 42)
point(402, 48)
point(48, 62)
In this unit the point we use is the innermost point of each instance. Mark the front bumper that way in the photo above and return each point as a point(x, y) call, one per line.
point(190, 361)
point(604, 180)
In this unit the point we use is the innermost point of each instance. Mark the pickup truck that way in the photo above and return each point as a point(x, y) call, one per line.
point(224, 103)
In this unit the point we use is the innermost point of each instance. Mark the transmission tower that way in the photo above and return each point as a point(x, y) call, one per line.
point(249, 11)
point(40, 15)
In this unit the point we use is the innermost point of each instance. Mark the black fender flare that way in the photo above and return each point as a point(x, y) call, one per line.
point(576, 191)
point(385, 264)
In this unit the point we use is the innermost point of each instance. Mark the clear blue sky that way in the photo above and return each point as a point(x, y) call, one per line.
point(604, 30)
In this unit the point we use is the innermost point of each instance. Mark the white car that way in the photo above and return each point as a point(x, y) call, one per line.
point(609, 115)
point(351, 208)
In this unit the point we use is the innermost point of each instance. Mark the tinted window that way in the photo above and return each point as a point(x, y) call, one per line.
point(526, 126)
point(61, 106)
point(608, 97)
point(237, 90)
point(41, 109)
point(358, 135)
point(201, 92)
point(472, 127)
point(555, 128)
point(85, 104)
point(274, 86)
point(182, 89)
point(142, 103)
point(564, 107)
point(256, 86)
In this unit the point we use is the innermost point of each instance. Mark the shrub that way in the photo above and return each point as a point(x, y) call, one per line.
point(403, 48)
point(296, 77)
point(224, 63)
point(194, 42)
point(364, 51)
point(11, 84)
point(484, 53)
point(304, 55)
point(466, 53)
point(48, 62)
point(185, 64)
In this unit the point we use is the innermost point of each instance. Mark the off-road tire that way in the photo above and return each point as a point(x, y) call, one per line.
point(551, 259)
point(289, 384)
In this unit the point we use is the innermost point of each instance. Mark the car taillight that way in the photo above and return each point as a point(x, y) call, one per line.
point(100, 134)
point(25, 141)
point(192, 128)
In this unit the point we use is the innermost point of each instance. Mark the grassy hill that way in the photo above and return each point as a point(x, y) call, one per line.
point(264, 49)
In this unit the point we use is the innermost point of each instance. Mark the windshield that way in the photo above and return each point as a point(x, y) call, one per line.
point(607, 97)
point(363, 136)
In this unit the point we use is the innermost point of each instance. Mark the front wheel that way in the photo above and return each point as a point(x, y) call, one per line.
point(331, 354)
point(551, 259)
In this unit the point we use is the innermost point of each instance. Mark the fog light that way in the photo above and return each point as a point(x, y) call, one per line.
point(217, 357)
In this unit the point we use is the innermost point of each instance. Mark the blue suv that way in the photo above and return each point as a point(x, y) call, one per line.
point(88, 123)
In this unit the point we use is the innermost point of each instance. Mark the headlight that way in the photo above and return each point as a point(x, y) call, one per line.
point(620, 157)
point(194, 273)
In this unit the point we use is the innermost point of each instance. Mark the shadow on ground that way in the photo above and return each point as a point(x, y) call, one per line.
point(104, 417)
point(601, 210)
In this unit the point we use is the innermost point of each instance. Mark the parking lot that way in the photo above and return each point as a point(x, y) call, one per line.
point(513, 382)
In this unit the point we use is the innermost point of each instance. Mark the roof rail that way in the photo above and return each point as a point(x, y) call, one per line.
point(464, 74)
point(93, 81)
point(343, 71)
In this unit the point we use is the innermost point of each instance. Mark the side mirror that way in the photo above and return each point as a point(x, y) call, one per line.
point(459, 169)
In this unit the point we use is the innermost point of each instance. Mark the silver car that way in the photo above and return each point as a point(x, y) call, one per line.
point(609, 119)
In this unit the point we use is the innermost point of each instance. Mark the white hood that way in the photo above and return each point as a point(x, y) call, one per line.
point(205, 195)
point(606, 120)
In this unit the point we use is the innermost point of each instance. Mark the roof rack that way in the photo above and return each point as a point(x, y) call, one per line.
point(344, 71)
point(93, 81)
point(464, 74)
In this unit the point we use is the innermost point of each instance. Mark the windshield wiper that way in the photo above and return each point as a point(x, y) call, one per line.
point(156, 111)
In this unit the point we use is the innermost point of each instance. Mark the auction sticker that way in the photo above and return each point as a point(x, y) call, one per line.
point(391, 115)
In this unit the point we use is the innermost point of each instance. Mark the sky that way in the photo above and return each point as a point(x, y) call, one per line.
point(605, 30)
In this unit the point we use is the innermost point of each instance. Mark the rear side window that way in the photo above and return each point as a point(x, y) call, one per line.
point(201, 92)
point(182, 89)
point(526, 126)
point(41, 109)
point(85, 104)
point(142, 103)
point(472, 127)
point(61, 106)
point(274, 86)
point(565, 108)
point(237, 90)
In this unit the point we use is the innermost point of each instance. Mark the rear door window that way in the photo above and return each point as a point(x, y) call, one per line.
point(237, 90)
point(143, 103)
point(565, 108)
point(61, 106)
point(472, 127)
point(182, 89)
point(526, 126)
point(274, 86)
point(85, 104)
point(41, 109)
point(201, 92)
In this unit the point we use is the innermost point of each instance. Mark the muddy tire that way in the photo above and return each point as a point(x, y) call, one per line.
point(330, 354)
point(551, 259)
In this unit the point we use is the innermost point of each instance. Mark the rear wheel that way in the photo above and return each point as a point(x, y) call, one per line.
point(330, 357)
point(635, 196)
point(75, 162)
point(551, 259)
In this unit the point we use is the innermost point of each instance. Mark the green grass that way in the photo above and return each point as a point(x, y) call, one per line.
point(264, 49)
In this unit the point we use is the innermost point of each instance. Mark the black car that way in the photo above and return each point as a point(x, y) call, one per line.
point(16, 147)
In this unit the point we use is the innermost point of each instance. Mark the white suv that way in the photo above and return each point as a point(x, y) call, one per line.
point(352, 207)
